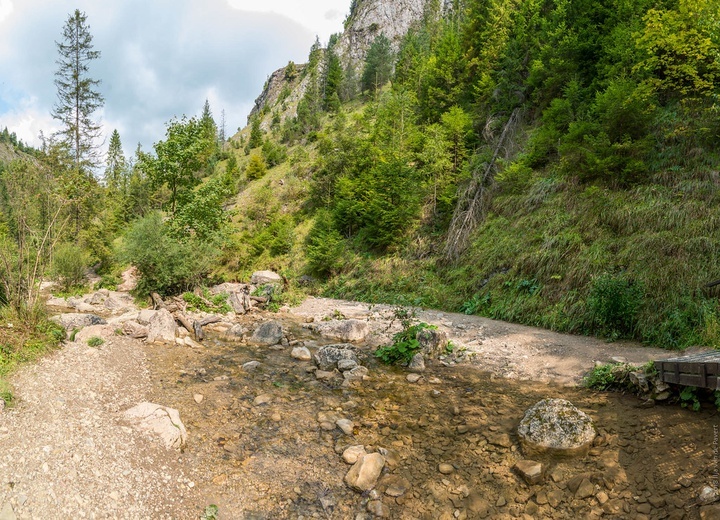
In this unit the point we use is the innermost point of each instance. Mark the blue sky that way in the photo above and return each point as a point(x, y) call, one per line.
point(159, 58)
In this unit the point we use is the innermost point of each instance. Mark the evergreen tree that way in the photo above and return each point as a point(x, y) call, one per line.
point(378, 64)
point(256, 133)
point(78, 97)
point(333, 81)
point(116, 169)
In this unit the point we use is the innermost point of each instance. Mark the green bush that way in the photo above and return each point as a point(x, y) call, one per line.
point(324, 246)
point(405, 345)
point(613, 303)
point(95, 342)
point(69, 265)
point(165, 264)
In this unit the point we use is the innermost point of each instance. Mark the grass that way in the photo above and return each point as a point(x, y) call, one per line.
point(21, 344)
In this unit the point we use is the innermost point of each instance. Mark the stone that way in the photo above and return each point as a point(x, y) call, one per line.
point(585, 490)
point(555, 426)
point(134, 329)
point(301, 354)
point(250, 365)
point(396, 485)
point(342, 330)
point(262, 399)
point(130, 279)
point(365, 472)
point(346, 425)
point(237, 302)
point(530, 470)
point(266, 277)
point(352, 453)
point(711, 512)
point(344, 365)
point(417, 363)
point(433, 342)
point(378, 509)
point(160, 420)
point(413, 378)
point(356, 374)
point(236, 331)
point(198, 398)
point(325, 375)
point(77, 320)
point(445, 468)
point(268, 333)
point(477, 503)
point(162, 327)
point(7, 513)
point(327, 357)
point(601, 497)
point(707, 495)
point(499, 439)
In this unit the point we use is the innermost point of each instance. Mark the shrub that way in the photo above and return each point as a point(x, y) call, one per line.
point(405, 345)
point(69, 264)
point(95, 341)
point(324, 246)
point(165, 264)
point(613, 303)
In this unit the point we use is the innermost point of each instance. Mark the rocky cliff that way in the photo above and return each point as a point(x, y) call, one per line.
point(370, 18)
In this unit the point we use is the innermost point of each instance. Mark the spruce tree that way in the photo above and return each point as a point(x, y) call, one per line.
point(378, 64)
point(116, 164)
point(78, 97)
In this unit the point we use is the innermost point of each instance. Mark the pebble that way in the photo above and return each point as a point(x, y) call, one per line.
point(251, 365)
point(198, 398)
point(530, 470)
point(446, 468)
point(301, 354)
point(346, 425)
point(378, 509)
point(352, 453)
point(262, 399)
point(413, 378)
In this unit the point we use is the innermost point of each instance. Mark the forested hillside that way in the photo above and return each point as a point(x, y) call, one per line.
point(553, 163)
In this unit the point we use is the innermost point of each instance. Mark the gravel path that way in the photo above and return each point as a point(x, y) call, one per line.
point(65, 451)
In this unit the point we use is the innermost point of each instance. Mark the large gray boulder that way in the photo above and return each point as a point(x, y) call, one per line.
point(328, 357)
point(77, 320)
point(162, 327)
point(159, 420)
point(343, 330)
point(269, 333)
point(556, 427)
point(266, 277)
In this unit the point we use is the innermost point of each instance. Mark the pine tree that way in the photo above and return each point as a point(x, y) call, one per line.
point(78, 97)
point(116, 169)
point(378, 64)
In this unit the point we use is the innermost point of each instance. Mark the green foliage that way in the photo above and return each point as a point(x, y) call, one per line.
point(210, 512)
point(609, 376)
point(324, 246)
point(202, 215)
point(689, 398)
point(256, 167)
point(69, 265)
point(95, 342)
point(165, 264)
point(273, 153)
point(256, 133)
point(212, 303)
point(614, 302)
point(405, 345)
point(378, 64)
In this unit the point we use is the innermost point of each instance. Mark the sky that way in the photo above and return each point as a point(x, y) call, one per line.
point(160, 59)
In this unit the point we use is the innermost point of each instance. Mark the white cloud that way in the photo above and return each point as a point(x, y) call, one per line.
point(160, 59)
point(6, 9)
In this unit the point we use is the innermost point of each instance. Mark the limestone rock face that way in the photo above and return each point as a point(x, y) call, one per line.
point(365, 472)
point(369, 19)
point(555, 426)
point(160, 420)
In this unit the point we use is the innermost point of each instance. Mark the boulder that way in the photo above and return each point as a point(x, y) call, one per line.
point(417, 363)
point(77, 320)
point(327, 357)
point(266, 277)
point(365, 472)
point(134, 329)
point(237, 331)
point(237, 302)
point(145, 315)
point(432, 342)
point(555, 427)
point(356, 374)
point(159, 420)
point(228, 288)
point(268, 333)
point(343, 330)
point(162, 327)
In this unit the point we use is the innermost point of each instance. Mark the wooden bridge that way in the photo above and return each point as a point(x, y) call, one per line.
point(699, 370)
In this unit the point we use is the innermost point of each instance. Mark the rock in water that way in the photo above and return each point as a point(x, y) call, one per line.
point(417, 363)
point(365, 472)
point(161, 420)
point(269, 333)
point(556, 427)
point(327, 357)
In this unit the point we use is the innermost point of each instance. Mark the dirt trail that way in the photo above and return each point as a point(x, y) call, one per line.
point(258, 447)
